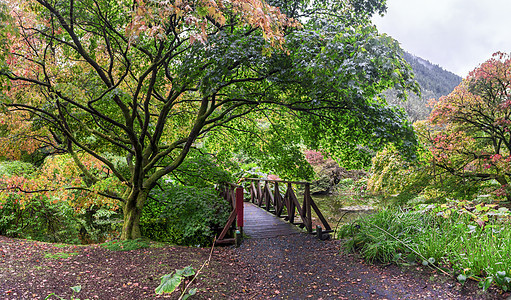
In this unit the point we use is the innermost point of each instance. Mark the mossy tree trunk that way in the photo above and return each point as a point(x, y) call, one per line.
point(132, 211)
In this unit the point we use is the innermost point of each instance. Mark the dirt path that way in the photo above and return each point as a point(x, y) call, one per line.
point(302, 267)
point(293, 267)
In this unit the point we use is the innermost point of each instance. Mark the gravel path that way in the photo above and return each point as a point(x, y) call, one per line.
point(291, 267)
point(302, 267)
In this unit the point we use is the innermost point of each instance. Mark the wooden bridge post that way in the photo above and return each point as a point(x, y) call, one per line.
point(239, 207)
point(278, 199)
point(291, 207)
point(307, 207)
point(259, 194)
point(267, 196)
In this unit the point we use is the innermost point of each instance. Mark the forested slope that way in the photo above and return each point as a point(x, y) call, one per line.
point(434, 81)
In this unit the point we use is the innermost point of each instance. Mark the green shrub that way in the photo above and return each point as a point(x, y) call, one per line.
point(183, 215)
point(58, 216)
point(38, 219)
point(46, 220)
point(366, 234)
point(16, 168)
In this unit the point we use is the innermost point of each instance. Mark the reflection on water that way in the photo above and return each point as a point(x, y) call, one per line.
point(342, 208)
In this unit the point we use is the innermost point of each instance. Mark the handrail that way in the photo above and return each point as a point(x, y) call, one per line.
point(282, 205)
point(278, 180)
point(274, 201)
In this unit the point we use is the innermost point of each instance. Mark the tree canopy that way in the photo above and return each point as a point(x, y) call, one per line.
point(469, 132)
point(151, 80)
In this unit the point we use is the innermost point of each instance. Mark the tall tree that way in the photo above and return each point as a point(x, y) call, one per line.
point(470, 129)
point(148, 80)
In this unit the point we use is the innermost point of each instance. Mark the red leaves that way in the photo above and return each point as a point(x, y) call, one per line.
point(468, 130)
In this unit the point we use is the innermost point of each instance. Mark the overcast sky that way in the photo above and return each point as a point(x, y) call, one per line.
point(457, 35)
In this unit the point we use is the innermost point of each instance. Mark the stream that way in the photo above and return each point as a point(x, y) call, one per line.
point(341, 208)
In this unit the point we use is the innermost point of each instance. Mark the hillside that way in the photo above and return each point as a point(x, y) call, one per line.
point(434, 81)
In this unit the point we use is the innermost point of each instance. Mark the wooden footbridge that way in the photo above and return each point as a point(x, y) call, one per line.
point(272, 210)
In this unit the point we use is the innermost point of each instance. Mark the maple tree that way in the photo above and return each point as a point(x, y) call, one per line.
point(469, 130)
point(19, 137)
point(148, 80)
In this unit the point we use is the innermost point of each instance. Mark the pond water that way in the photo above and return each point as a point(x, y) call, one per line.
point(341, 208)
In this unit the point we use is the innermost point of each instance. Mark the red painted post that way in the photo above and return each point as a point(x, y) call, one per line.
point(239, 206)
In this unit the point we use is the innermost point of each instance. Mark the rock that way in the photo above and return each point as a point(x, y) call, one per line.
point(330, 174)
point(357, 208)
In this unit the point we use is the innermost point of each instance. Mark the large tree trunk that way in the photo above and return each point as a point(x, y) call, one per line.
point(132, 212)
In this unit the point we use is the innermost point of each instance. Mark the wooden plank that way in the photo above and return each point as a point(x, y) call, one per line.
point(225, 241)
point(261, 224)
point(232, 216)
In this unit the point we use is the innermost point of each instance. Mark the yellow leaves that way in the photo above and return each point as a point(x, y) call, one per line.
point(60, 180)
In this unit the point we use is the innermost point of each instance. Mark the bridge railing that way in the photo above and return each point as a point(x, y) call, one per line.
point(233, 193)
point(268, 194)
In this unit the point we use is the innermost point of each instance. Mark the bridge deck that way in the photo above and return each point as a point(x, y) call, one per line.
point(260, 224)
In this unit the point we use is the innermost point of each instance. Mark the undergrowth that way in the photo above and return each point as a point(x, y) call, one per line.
point(462, 238)
point(128, 245)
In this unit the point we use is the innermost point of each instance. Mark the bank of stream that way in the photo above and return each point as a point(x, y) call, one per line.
point(343, 207)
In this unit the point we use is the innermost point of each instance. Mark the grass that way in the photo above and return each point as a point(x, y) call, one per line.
point(59, 255)
point(118, 245)
point(469, 242)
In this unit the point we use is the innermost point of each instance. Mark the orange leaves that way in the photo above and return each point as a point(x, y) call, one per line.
point(18, 135)
point(59, 180)
point(200, 17)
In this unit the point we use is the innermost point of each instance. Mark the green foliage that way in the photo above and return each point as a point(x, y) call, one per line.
point(47, 220)
point(40, 219)
point(471, 238)
point(59, 255)
point(375, 244)
point(201, 171)
point(16, 168)
point(170, 282)
point(168, 92)
point(117, 245)
point(29, 207)
point(393, 176)
point(400, 182)
point(267, 141)
point(98, 224)
point(75, 289)
point(183, 215)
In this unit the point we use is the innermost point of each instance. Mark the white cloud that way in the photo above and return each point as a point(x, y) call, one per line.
point(458, 35)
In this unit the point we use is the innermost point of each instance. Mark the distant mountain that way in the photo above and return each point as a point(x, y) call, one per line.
point(432, 77)
point(434, 81)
